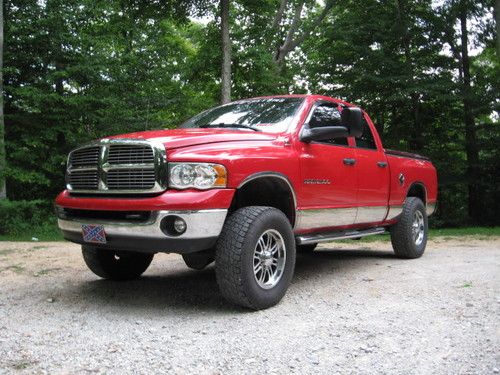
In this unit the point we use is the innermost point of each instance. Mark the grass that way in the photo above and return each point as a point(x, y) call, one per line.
point(45, 271)
point(471, 231)
point(22, 365)
point(51, 233)
point(43, 233)
point(6, 252)
point(17, 268)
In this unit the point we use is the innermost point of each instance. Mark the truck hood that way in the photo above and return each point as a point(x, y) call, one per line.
point(176, 138)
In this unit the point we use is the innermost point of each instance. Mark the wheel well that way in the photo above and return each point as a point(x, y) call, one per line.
point(266, 191)
point(418, 190)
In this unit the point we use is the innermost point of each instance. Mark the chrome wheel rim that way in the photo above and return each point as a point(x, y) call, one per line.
point(418, 228)
point(269, 259)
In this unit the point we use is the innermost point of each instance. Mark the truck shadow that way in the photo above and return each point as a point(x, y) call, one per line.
point(188, 291)
point(321, 263)
point(172, 291)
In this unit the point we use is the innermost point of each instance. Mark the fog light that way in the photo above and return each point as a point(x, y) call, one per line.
point(173, 225)
point(180, 225)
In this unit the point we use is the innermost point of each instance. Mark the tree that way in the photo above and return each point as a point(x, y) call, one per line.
point(226, 53)
point(77, 70)
point(458, 38)
point(293, 38)
point(388, 57)
point(268, 35)
point(3, 190)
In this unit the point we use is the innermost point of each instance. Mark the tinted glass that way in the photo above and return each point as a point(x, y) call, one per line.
point(270, 115)
point(366, 140)
point(327, 115)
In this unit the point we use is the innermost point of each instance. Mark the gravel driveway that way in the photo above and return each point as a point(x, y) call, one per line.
point(352, 308)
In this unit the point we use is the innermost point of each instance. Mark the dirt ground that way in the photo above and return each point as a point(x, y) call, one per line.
point(353, 308)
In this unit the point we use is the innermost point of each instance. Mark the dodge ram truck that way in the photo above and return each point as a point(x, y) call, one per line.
point(247, 185)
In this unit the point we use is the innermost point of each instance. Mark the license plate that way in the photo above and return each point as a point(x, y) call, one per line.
point(93, 233)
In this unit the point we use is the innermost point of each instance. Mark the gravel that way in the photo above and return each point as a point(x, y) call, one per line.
point(352, 308)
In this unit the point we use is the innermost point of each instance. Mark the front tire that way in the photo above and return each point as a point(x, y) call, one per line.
point(255, 257)
point(116, 265)
point(409, 234)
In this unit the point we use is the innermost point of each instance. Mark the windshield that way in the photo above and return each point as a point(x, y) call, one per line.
point(270, 115)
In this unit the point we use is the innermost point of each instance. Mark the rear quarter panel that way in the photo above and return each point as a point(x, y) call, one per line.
point(414, 171)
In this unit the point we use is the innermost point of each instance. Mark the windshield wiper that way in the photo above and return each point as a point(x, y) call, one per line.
point(222, 125)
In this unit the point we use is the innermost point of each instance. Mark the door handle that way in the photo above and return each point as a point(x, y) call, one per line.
point(382, 164)
point(349, 161)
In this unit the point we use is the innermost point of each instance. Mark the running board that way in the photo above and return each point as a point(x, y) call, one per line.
point(325, 237)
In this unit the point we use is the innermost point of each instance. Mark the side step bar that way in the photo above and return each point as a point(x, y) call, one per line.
point(325, 237)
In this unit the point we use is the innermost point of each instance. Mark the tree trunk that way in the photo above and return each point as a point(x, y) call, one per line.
point(226, 53)
point(3, 189)
point(291, 41)
point(416, 141)
point(471, 147)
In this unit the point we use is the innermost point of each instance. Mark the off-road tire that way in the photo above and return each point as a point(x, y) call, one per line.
point(235, 256)
point(198, 260)
point(116, 265)
point(402, 239)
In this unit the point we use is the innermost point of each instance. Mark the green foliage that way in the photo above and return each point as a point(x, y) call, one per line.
point(76, 70)
point(24, 220)
point(79, 70)
point(389, 58)
point(468, 231)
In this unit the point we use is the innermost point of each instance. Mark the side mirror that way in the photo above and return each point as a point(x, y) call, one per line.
point(324, 133)
point(352, 119)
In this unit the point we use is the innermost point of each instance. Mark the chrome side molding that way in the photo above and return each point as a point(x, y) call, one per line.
point(332, 236)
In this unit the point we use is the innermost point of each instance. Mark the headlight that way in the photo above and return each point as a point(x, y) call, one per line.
point(196, 175)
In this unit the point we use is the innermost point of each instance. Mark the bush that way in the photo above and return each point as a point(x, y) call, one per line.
point(26, 218)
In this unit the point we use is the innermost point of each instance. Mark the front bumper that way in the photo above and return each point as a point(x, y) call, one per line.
point(202, 230)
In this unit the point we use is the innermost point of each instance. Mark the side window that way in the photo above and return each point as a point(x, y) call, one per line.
point(323, 116)
point(366, 140)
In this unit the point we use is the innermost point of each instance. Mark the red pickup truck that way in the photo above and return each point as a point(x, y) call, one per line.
point(246, 184)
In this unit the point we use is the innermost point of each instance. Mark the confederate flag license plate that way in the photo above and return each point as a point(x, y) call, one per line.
point(93, 233)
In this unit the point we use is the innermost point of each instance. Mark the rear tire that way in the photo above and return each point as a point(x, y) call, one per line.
point(255, 257)
point(409, 234)
point(116, 265)
point(198, 260)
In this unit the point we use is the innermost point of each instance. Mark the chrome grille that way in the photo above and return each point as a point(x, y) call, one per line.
point(128, 154)
point(120, 179)
point(117, 166)
point(84, 179)
point(85, 157)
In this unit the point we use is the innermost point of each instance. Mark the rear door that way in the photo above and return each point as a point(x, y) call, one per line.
point(372, 176)
point(329, 180)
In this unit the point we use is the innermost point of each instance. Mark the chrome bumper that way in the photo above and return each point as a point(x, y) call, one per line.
point(203, 228)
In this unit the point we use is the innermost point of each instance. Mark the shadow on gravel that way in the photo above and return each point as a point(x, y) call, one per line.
point(189, 291)
point(321, 263)
point(182, 290)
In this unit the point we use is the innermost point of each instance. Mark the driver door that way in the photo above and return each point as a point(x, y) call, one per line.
point(329, 180)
